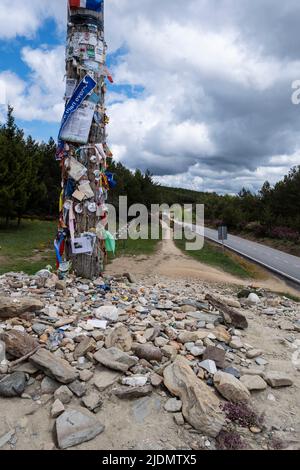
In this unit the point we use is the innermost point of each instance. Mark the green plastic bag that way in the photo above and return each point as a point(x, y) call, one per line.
point(110, 242)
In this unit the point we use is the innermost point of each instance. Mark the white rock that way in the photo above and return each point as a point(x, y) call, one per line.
point(135, 381)
point(253, 299)
point(189, 346)
point(197, 351)
point(107, 312)
point(236, 342)
point(209, 365)
point(97, 324)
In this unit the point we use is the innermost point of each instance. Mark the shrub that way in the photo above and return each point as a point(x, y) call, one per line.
point(284, 233)
point(242, 414)
point(229, 440)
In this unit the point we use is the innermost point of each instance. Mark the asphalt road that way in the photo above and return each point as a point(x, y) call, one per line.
point(275, 260)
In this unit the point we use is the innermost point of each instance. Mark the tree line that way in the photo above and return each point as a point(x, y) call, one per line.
point(29, 174)
point(30, 184)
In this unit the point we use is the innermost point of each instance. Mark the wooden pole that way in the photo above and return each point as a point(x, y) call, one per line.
point(85, 55)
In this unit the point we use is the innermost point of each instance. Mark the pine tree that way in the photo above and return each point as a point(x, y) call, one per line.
point(15, 170)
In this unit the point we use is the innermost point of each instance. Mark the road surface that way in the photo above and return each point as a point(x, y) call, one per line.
point(277, 261)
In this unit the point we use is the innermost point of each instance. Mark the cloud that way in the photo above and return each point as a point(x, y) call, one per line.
point(217, 97)
point(39, 97)
point(214, 107)
point(23, 18)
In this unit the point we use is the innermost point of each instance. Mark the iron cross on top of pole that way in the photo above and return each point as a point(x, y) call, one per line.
point(82, 148)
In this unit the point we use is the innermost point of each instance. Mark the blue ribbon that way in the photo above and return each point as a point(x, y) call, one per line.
point(86, 85)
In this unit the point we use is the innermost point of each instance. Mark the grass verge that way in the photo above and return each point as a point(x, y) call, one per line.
point(28, 247)
point(213, 255)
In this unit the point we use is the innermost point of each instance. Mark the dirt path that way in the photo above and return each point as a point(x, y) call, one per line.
point(171, 262)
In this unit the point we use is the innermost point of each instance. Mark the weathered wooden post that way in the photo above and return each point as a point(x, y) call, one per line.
point(82, 147)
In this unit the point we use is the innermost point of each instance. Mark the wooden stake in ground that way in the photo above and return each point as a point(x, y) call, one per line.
point(82, 143)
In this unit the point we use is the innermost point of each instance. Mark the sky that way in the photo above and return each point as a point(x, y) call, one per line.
point(202, 92)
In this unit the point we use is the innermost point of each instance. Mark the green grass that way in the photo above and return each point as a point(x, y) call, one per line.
point(213, 255)
point(292, 297)
point(18, 245)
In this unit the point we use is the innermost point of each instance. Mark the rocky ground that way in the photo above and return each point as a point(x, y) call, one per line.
point(150, 364)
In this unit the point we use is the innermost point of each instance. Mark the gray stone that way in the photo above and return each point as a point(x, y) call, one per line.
point(189, 346)
point(231, 388)
point(92, 401)
point(253, 353)
point(197, 351)
point(14, 307)
point(215, 354)
point(149, 352)
point(86, 345)
point(233, 371)
point(152, 333)
point(230, 315)
point(27, 368)
point(156, 380)
point(261, 362)
point(49, 386)
point(169, 351)
point(188, 309)
point(98, 335)
point(236, 342)
point(286, 325)
point(130, 393)
point(119, 338)
point(192, 336)
point(200, 405)
point(205, 317)
point(115, 359)
point(104, 378)
point(39, 328)
point(13, 385)
point(253, 382)
point(2, 352)
point(160, 342)
point(78, 388)
point(277, 379)
point(209, 366)
point(86, 375)
point(179, 419)
point(19, 343)
point(5, 439)
point(173, 405)
point(63, 394)
point(76, 426)
point(57, 409)
point(53, 366)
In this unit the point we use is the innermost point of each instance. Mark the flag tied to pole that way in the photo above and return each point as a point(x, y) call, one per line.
point(95, 5)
